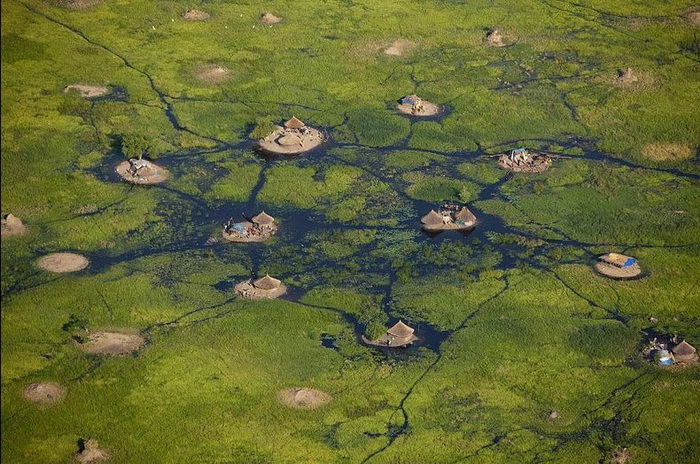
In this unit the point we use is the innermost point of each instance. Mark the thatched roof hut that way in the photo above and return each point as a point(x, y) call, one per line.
point(263, 219)
point(294, 123)
point(432, 218)
point(267, 283)
point(465, 215)
point(684, 351)
point(400, 330)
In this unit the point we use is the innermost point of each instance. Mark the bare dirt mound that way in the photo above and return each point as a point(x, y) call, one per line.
point(63, 262)
point(692, 16)
point(304, 398)
point(667, 151)
point(269, 18)
point(213, 74)
point(87, 91)
point(632, 79)
point(616, 272)
point(90, 451)
point(112, 343)
point(140, 171)
point(12, 225)
point(494, 38)
point(195, 15)
point(44, 393)
point(400, 47)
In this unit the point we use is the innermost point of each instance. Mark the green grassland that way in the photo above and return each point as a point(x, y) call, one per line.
point(513, 322)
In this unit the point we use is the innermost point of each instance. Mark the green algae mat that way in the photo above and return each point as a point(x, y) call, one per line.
point(525, 353)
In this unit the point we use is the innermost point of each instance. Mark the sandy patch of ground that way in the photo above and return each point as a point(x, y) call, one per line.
point(304, 398)
point(44, 393)
point(494, 38)
point(269, 18)
point(90, 451)
point(63, 262)
point(400, 47)
point(246, 289)
point(141, 172)
point(283, 141)
point(692, 16)
point(667, 151)
point(632, 79)
point(195, 15)
point(87, 91)
point(213, 74)
point(413, 105)
point(12, 225)
point(617, 273)
point(112, 343)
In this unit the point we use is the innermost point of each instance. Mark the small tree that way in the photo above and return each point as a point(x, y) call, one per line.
point(134, 145)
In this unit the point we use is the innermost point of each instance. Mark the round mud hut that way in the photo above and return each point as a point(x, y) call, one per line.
point(449, 217)
point(523, 160)
point(396, 336)
point(413, 105)
point(265, 287)
point(141, 171)
point(685, 352)
point(258, 229)
point(293, 138)
point(11, 225)
point(618, 266)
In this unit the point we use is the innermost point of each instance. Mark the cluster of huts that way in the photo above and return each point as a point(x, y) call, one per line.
point(257, 229)
point(524, 160)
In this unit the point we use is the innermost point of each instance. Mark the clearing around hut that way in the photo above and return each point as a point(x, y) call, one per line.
point(350, 232)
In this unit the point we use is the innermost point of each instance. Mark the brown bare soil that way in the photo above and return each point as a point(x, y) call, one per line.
point(617, 273)
point(213, 74)
point(304, 398)
point(632, 79)
point(400, 47)
point(494, 38)
point(77, 4)
point(667, 151)
point(151, 174)
point(196, 15)
point(112, 343)
point(11, 225)
point(63, 262)
point(246, 289)
point(269, 18)
point(44, 393)
point(91, 452)
point(692, 16)
point(87, 91)
point(284, 141)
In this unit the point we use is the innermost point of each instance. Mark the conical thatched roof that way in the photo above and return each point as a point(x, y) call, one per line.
point(465, 215)
point(294, 123)
point(431, 218)
point(400, 330)
point(684, 349)
point(263, 219)
point(267, 283)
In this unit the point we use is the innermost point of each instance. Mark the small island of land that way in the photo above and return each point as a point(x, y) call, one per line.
point(523, 160)
point(618, 266)
point(448, 217)
point(293, 138)
point(396, 336)
point(141, 171)
point(413, 105)
point(258, 229)
point(265, 287)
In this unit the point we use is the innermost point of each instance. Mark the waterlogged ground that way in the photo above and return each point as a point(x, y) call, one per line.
point(526, 355)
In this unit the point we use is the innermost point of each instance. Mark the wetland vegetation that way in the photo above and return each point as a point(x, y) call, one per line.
point(524, 352)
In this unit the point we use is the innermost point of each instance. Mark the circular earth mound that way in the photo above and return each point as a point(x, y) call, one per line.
point(692, 16)
point(494, 38)
point(112, 343)
point(12, 225)
point(87, 91)
point(246, 289)
point(213, 74)
point(667, 151)
point(44, 393)
point(141, 172)
point(616, 272)
point(63, 262)
point(90, 451)
point(195, 15)
point(304, 398)
point(283, 141)
point(400, 47)
point(413, 105)
point(78, 4)
point(269, 18)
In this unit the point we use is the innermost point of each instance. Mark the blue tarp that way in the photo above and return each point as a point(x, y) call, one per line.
point(238, 227)
point(407, 101)
point(629, 262)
